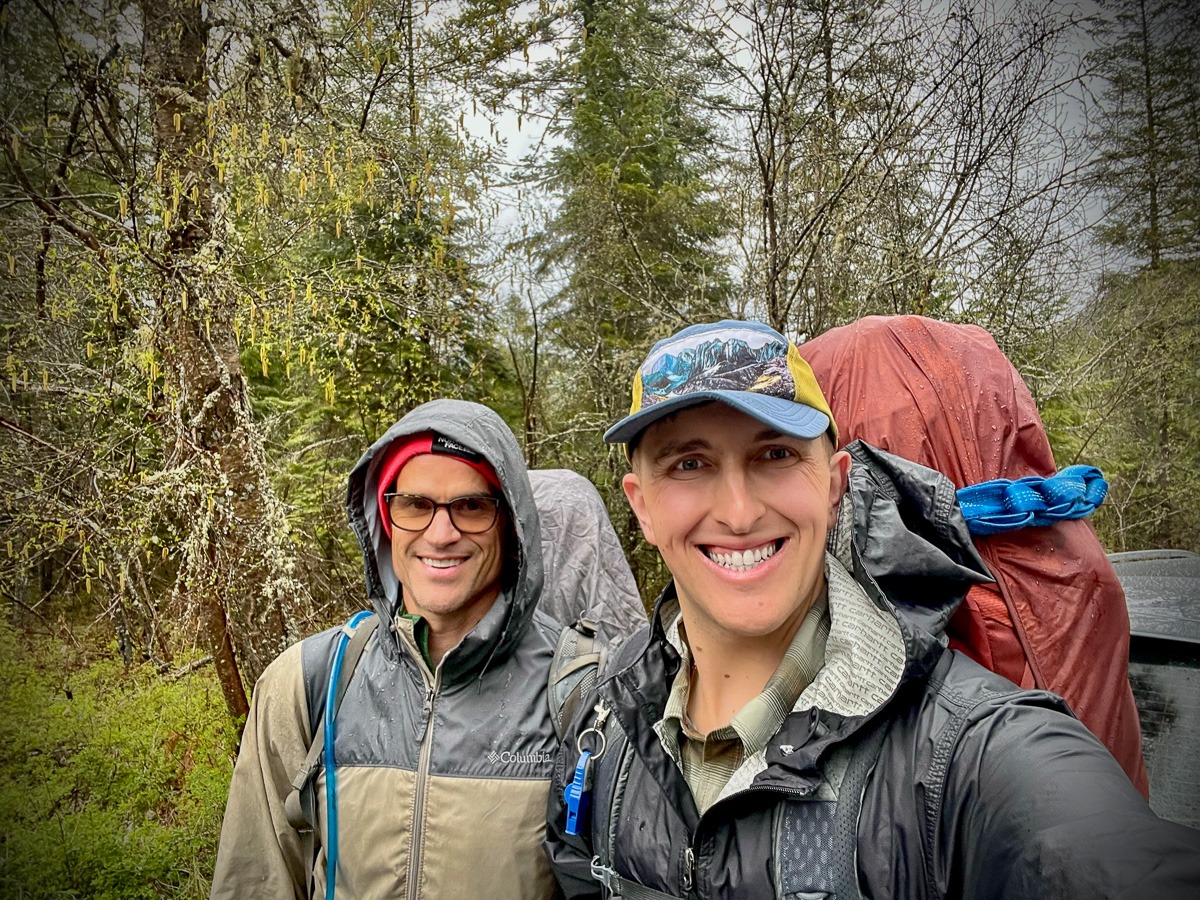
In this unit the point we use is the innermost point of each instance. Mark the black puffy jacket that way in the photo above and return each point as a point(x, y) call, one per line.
point(979, 790)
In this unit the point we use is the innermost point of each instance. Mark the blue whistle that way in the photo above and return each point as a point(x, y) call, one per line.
point(578, 794)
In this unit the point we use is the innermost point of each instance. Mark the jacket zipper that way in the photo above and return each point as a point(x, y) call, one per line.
point(688, 867)
point(415, 851)
point(602, 713)
point(689, 854)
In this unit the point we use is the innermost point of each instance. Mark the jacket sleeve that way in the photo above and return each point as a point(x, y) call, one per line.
point(570, 855)
point(260, 854)
point(1035, 806)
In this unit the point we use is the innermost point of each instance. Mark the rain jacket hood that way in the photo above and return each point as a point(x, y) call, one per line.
point(901, 536)
point(484, 432)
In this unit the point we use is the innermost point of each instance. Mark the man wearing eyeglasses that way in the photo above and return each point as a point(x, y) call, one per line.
point(444, 745)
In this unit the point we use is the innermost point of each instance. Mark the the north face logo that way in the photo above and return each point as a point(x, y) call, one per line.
point(443, 444)
point(507, 756)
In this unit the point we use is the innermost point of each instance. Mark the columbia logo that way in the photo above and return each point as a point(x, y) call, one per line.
point(507, 756)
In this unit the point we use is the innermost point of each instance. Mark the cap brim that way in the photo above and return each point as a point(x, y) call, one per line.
point(785, 416)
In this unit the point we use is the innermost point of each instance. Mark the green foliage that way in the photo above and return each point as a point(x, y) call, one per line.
point(112, 778)
point(335, 195)
point(638, 225)
point(1136, 414)
point(1138, 417)
point(371, 309)
point(79, 379)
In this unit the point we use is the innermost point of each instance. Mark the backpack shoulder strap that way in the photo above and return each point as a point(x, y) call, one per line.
point(359, 636)
point(300, 804)
point(608, 796)
point(862, 762)
point(578, 659)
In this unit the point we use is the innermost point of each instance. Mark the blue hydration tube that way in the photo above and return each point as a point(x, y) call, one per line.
point(331, 838)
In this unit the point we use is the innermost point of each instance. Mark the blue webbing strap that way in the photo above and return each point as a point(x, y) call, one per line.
point(994, 507)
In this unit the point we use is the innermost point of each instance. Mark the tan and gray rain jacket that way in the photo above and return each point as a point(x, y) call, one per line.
point(441, 776)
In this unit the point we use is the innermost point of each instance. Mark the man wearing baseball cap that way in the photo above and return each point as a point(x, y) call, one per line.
point(790, 723)
point(444, 743)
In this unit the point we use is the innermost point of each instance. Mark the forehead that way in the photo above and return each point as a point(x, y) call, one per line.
point(440, 476)
point(713, 425)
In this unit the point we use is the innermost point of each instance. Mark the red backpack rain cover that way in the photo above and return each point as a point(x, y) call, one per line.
point(945, 396)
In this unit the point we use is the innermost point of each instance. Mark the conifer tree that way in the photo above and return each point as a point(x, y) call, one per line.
point(1141, 334)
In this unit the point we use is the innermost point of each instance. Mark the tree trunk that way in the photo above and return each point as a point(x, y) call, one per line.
point(237, 562)
point(1153, 226)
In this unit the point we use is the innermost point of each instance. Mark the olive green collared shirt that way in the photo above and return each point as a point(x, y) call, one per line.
point(420, 633)
point(709, 760)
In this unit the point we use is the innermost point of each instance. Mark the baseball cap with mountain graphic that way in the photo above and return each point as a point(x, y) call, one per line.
point(746, 365)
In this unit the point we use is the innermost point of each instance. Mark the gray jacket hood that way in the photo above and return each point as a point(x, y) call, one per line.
point(910, 548)
point(483, 431)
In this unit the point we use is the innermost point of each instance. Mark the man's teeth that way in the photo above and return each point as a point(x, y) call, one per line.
point(741, 560)
point(440, 563)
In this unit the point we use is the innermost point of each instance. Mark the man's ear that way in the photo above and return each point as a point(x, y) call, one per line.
point(839, 480)
point(637, 502)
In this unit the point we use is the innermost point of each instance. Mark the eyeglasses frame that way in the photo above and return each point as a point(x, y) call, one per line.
point(447, 505)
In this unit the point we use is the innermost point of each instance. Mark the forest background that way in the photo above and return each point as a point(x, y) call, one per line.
point(241, 237)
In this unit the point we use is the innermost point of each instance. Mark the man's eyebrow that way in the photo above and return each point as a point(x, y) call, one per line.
point(767, 434)
point(678, 447)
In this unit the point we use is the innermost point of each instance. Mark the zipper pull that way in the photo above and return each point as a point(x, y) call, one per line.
point(602, 710)
point(426, 713)
point(689, 863)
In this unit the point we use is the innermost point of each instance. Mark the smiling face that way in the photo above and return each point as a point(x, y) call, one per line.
point(739, 513)
point(448, 577)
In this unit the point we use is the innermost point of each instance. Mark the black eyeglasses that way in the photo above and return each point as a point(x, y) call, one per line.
point(470, 515)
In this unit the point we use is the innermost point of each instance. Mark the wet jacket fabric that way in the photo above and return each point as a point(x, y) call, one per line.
point(944, 395)
point(980, 789)
point(441, 776)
